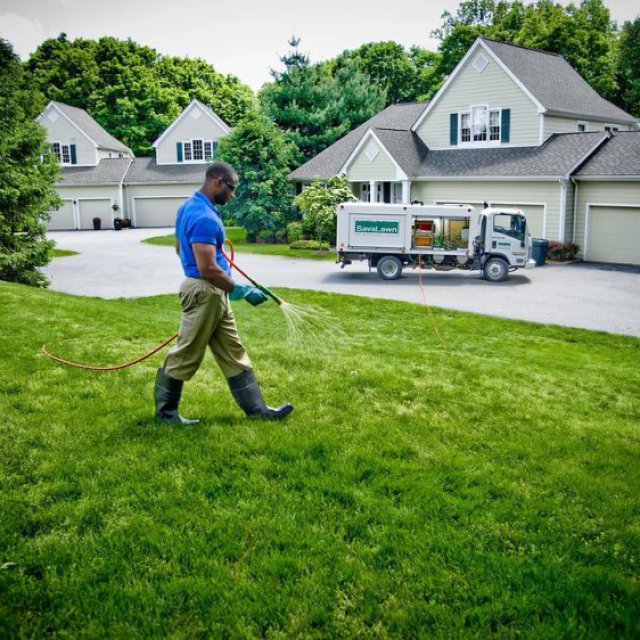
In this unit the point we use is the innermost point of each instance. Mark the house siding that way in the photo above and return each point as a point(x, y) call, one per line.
point(602, 193)
point(64, 132)
point(187, 129)
point(362, 169)
point(494, 88)
point(538, 197)
point(556, 124)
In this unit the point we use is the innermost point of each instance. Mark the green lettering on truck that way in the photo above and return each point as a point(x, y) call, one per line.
point(377, 226)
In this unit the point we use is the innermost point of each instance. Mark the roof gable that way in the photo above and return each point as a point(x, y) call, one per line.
point(82, 121)
point(212, 115)
point(371, 135)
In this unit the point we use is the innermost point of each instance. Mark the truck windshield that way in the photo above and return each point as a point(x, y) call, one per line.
point(512, 225)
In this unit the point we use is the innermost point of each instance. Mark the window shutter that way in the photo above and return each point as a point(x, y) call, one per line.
point(505, 125)
point(179, 151)
point(214, 144)
point(453, 129)
point(74, 159)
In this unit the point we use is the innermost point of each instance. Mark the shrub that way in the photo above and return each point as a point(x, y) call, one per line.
point(562, 251)
point(266, 236)
point(311, 245)
point(294, 232)
point(281, 236)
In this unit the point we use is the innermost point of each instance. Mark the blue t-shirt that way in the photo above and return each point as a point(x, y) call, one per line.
point(198, 220)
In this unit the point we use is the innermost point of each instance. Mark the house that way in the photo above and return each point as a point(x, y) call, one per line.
point(514, 127)
point(101, 178)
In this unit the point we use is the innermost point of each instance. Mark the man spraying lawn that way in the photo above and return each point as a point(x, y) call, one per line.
point(207, 317)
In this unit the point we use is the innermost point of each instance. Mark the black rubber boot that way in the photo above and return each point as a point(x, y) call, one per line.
point(246, 391)
point(167, 396)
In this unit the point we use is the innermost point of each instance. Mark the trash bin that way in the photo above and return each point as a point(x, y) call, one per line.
point(117, 224)
point(97, 224)
point(539, 253)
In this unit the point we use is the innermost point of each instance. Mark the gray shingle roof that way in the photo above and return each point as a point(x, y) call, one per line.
point(148, 170)
point(327, 163)
point(555, 84)
point(618, 157)
point(556, 157)
point(109, 171)
point(85, 122)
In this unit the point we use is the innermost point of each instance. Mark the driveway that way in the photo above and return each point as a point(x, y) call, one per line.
point(114, 264)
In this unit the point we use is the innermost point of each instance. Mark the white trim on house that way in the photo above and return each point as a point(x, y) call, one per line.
point(478, 144)
point(400, 174)
point(587, 221)
point(66, 117)
point(541, 134)
point(612, 178)
point(457, 70)
point(162, 197)
point(208, 112)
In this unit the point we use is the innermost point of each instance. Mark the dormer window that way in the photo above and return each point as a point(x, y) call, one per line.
point(480, 125)
point(196, 150)
point(66, 153)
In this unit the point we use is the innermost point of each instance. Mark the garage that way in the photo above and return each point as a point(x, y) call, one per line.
point(91, 208)
point(613, 234)
point(156, 211)
point(62, 219)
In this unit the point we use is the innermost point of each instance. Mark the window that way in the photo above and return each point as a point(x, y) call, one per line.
point(611, 128)
point(62, 151)
point(479, 125)
point(397, 193)
point(198, 153)
point(365, 191)
point(208, 151)
point(187, 152)
point(581, 127)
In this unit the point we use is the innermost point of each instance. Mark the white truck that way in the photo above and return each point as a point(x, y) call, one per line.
point(392, 236)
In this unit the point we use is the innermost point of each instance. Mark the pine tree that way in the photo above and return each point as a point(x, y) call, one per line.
point(27, 176)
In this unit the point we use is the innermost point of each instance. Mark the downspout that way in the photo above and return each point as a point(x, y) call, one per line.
point(563, 208)
point(575, 209)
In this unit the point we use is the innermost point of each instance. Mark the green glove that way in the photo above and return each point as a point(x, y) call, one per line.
point(251, 294)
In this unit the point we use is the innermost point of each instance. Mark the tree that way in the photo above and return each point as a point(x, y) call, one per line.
point(628, 67)
point(314, 107)
point(318, 204)
point(27, 176)
point(261, 155)
point(403, 76)
point(130, 89)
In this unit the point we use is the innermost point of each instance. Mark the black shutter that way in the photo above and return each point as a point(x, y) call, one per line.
point(179, 151)
point(453, 129)
point(74, 158)
point(505, 125)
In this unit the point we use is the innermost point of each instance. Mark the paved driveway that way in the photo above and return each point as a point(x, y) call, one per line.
point(115, 264)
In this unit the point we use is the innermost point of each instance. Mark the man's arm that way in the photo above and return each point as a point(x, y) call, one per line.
point(208, 267)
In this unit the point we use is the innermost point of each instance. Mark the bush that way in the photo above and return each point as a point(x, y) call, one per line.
point(562, 251)
point(311, 245)
point(281, 236)
point(294, 232)
point(266, 236)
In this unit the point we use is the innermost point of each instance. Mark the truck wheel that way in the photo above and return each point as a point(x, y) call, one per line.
point(496, 270)
point(389, 268)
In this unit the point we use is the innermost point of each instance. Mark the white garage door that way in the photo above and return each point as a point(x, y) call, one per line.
point(157, 212)
point(614, 235)
point(62, 219)
point(535, 217)
point(99, 208)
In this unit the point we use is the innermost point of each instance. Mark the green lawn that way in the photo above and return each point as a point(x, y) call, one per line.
point(62, 253)
point(487, 489)
point(238, 236)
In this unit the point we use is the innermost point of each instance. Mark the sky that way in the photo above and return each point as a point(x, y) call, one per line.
point(244, 38)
